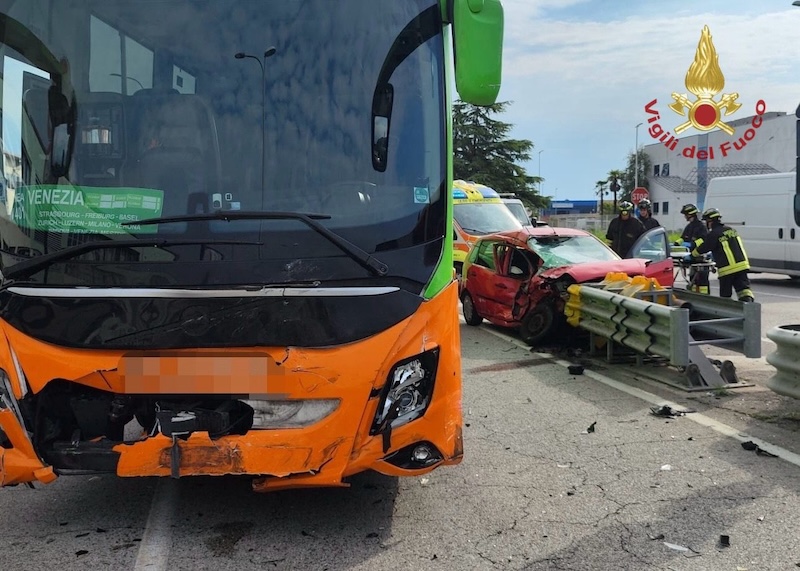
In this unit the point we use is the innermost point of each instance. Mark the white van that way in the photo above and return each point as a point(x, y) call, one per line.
point(761, 209)
point(517, 208)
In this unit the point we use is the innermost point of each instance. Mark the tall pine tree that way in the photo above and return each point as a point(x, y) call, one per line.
point(483, 154)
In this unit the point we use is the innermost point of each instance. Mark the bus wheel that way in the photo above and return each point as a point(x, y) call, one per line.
point(538, 323)
point(468, 306)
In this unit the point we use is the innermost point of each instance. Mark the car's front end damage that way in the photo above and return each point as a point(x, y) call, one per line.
point(558, 280)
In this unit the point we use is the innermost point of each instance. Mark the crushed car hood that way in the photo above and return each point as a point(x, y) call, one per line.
point(594, 271)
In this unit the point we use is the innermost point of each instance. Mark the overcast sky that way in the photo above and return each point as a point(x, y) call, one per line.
point(578, 74)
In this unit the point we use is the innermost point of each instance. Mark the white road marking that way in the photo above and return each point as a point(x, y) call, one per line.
point(157, 539)
point(766, 294)
point(697, 417)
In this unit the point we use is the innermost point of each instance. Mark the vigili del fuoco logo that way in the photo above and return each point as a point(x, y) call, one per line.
point(705, 112)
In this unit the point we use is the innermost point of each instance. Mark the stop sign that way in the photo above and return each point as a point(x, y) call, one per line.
point(639, 193)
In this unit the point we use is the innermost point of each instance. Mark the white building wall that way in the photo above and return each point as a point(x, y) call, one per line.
point(772, 149)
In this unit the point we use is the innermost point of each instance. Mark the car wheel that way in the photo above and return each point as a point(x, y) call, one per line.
point(538, 323)
point(468, 306)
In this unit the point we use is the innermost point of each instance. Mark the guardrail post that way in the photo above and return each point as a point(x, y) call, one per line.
point(679, 338)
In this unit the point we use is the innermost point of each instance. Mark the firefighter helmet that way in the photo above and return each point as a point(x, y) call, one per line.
point(689, 209)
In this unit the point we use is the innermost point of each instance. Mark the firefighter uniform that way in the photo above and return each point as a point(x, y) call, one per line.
point(698, 277)
point(730, 257)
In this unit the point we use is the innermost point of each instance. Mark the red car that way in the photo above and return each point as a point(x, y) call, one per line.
point(519, 278)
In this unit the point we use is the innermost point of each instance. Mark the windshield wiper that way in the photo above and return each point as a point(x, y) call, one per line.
point(29, 267)
point(309, 219)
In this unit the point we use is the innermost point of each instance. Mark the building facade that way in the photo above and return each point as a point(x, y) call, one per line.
point(682, 168)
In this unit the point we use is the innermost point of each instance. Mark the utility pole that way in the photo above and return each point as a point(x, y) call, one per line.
point(636, 159)
point(541, 183)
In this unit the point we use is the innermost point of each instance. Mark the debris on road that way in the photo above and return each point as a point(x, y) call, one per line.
point(590, 429)
point(667, 411)
point(750, 445)
point(575, 369)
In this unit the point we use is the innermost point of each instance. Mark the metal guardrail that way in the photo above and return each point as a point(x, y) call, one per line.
point(723, 322)
point(673, 329)
point(786, 359)
point(646, 327)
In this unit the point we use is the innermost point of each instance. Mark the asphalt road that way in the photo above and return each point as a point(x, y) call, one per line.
point(537, 490)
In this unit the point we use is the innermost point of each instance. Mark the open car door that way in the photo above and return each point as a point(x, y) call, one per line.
point(513, 277)
point(653, 246)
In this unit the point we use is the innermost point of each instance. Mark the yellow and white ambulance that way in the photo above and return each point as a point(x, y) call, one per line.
point(477, 210)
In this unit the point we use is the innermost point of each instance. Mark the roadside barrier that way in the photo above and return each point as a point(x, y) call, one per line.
point(647, 327)
point(786, 359)
point(672, 326)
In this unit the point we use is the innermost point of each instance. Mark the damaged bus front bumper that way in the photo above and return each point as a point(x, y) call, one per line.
point(390, 403)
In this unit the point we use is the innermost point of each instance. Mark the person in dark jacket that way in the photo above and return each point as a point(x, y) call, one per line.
point(695, 229)
point(646, 214)
point(729, 254)
point(624, 229)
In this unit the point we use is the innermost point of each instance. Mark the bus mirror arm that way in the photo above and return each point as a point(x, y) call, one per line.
point(62, 120)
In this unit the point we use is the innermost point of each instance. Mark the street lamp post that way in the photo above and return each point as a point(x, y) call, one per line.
point(636, 159)
point(262, 62)
point(540, 171)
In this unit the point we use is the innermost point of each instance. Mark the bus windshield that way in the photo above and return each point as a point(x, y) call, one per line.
point(180, 111)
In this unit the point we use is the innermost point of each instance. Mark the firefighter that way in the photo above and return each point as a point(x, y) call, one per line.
point(624, 229)
point(646, 214)
point(695, 229)
point(728, 250)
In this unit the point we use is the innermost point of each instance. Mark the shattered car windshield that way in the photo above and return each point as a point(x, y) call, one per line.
point(558, 251)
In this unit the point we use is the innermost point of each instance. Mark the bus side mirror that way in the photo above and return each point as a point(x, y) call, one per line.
point(477, 49)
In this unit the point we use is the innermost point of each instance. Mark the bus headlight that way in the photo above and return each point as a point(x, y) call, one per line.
point(408, 391)
point(270, 414)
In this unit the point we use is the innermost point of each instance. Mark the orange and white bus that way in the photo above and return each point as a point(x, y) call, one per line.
point(477, 210)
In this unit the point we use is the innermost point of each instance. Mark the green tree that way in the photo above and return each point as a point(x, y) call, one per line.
point(615, 184)
point(482, 153)
point(628, 180)
point(601, 189)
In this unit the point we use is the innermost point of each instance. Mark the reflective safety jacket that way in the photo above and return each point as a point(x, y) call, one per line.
point(726, 246)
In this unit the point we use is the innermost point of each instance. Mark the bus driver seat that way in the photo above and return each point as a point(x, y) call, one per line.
point(177, 151)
